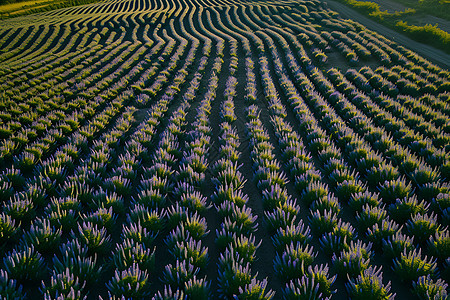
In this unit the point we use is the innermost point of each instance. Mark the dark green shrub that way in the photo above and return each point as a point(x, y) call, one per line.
point(25, 264)
point(410, 265)
point(426, 288)
point(369, 286)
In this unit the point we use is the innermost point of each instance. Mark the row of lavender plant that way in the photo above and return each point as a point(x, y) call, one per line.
point(400, 133)
point(235, 238)
point(186, 221)
point(51, 63)
point(191, 257)
point(290, 238)
point(27, 161)
point(50, 174)
point(149, 208)
point(41, 100)
point(156, 190)
point(41, 43)
point(59, 117)
point(385, 229)
point(337, 237)
point(413, 121)
point(119, 183)
point(59, 223)
point(114, 183)
point(43, 147)
point(359, 40)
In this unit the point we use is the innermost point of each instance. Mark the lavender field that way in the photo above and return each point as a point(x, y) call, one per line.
point(218, 149)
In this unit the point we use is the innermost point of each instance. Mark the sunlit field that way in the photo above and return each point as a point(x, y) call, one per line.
point(11, 7)
point(219, 149)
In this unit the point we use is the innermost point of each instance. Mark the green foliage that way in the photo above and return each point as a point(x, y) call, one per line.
point(369, 286)
point(426, 288)
point(25, 264)
point(49, 6)
point(410, 265)
point(373, 9)
point(365, 6)
point(9, 289)
point(255, 290)
point(428, 34)
point(130, 283)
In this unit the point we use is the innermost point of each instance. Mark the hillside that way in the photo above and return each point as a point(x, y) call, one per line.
point(215, 149)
